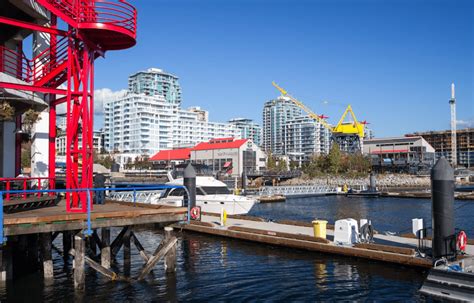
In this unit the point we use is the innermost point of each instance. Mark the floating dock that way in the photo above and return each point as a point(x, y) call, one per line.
point(387, 248)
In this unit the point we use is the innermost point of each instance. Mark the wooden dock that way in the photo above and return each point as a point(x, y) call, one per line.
point(30, 234)
point(392, 249)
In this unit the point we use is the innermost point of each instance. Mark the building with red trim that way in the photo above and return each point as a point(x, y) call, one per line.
point(227, 156)
point(399, 154)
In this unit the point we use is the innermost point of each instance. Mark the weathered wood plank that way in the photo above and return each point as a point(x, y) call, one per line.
point(156, 257)
point(12, 230)
point(170, 258)
point(79, 273)
point(279, 234)
point(46, 255)
point(140, 248)
point(105, 249)
point(118, 242)
point(101, 269)
point(387, 248)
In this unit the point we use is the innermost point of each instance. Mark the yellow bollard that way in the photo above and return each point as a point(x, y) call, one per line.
point(223, 217)
point(319, 227)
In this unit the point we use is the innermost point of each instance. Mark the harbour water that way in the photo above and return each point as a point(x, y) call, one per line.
point(216, 269)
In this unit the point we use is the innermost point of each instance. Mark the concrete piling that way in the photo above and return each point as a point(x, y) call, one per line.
point(442, 209)
point(189, 182)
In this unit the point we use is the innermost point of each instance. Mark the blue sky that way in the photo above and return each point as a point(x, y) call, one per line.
point(393, 61)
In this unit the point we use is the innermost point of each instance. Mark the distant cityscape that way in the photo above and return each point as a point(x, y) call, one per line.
point(149, 119)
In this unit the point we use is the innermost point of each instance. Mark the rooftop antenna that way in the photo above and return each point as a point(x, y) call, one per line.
point(452, 103)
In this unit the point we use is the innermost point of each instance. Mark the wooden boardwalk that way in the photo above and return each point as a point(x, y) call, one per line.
point(386, 248)
point(111, 214)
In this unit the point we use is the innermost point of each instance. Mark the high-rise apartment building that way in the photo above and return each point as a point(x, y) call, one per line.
point(156, 82)
point(275, 115)
point(305, 137)
point(143, 122)
point(248, 129)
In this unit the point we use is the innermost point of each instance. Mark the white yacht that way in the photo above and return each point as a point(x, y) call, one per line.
point(212, 196)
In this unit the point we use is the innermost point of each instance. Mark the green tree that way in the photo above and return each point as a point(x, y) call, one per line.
point(293, 165)
point(282, 165)
point(334, 159)
point(271, 162)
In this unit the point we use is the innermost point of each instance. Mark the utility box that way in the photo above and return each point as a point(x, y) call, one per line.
point(346, 231)
point(417, 225)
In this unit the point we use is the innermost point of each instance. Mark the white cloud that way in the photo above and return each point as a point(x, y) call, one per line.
point(100, 95)
point(465, 123)
point(103, 94)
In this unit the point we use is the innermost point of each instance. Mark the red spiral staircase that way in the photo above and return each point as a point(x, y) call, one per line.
point(94, 27)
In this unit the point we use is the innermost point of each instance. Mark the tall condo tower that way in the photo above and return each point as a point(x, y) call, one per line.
point(452, 103)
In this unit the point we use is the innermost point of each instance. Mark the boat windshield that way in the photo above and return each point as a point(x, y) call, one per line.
point(215, 190)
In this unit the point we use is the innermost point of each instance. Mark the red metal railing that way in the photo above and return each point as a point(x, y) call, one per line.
point(108, 12)
point(26, 183)
point(15, 64)
point(117, 13)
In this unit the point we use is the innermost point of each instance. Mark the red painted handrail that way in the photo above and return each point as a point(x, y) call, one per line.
point(25, 183)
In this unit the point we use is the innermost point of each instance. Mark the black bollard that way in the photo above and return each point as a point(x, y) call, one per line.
point(442, 209)
point(190, 183)
point(244, 182)
point(373, 182)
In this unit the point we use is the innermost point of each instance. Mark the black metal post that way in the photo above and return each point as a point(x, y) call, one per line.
point(442, 208)
point(190, 183)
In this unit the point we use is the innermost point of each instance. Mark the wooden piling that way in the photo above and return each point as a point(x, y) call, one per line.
point(5, 263)
point(46, 255)
point(79, 273)
point(170, 259)
point(67, 243)
point(105, 248)
point(127, 252)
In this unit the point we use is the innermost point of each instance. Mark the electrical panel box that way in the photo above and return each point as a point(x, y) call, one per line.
point(346, 231)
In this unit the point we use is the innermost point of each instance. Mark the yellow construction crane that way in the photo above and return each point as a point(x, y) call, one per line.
point(303, 107)
point(344, 128)
point(354, 127)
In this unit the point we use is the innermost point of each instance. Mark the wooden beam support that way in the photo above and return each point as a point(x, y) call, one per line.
point(117, 243)
point(105, 248)
point(156, 257)
point(101, 269)
point(46, 240)
point(67, 243)
point(127, 252)
point(55, 235)
point(140, 248)
point(170, 258)
point(97, 240)
point(79, 264)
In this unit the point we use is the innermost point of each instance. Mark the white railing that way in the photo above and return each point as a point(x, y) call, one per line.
point(134, 196)
point(297, 190)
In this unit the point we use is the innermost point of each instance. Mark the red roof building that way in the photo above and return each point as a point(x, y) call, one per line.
point(227, 156)
point(182, 154)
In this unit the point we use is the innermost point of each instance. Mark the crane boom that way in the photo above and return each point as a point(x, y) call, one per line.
point(303, 107)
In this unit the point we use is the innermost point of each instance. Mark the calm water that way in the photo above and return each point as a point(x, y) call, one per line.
point(218, 269)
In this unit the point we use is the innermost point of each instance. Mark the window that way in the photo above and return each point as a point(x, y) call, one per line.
point(177, 192)
point(221, 190)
